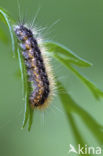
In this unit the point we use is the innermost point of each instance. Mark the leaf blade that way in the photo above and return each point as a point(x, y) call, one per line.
point(7, 20)
point(95, 91)
point(70, 107)
point(58, 49)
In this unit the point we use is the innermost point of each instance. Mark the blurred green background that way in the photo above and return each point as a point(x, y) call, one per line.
point(81, 30)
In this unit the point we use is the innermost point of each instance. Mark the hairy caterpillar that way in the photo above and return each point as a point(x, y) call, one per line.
point(38, 69)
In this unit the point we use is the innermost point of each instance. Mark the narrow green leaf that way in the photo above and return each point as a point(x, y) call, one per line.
point(28, 115)
point(95, 91)
point(67, 54)
point(24, 87)
point(77, 135)
point(71, 107)
point(30, 118)
point(4, 17)
point(21, 68)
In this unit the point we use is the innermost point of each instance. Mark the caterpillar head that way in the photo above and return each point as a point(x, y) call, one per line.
point(22, 32)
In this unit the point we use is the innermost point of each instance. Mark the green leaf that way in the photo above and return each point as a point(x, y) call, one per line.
point(67, 54)
point(5, 18)
point(30, 118)
point(76, 133)
point(71, 107)
point(95, 91)
point(26, 85)
point(28, 115)
point(71, 58)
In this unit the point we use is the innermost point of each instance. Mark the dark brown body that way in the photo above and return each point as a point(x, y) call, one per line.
point(36, 71)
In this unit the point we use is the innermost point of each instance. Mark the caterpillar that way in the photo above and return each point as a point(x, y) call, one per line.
point(37, 65)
